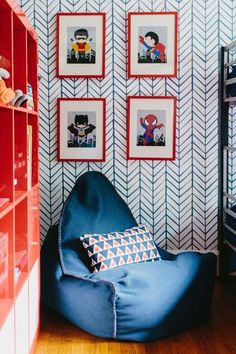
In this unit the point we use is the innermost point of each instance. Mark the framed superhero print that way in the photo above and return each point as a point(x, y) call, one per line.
point(81, 44)
point(151, 128)
point(152, 44)
point(81, 129)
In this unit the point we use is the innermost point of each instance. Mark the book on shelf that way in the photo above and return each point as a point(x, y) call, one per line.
point(4, 201)
point(29, 155)
point(30, 102)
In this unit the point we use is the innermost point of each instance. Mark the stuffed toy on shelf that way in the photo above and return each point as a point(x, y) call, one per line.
point(8, 96)
point(6, 93)
point(20, 98)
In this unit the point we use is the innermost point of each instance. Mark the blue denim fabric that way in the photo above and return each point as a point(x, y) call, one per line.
point(138, 302)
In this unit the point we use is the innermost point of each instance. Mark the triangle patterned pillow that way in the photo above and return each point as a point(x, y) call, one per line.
point(115, 249)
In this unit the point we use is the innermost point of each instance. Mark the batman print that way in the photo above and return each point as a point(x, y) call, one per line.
point(82, 129)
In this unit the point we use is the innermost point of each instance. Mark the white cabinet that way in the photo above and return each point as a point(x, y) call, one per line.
point(7, 335)
point(19, 331)
point(33, 302)
point(22, 321)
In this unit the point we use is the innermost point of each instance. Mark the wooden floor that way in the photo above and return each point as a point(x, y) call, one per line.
point(217, 336)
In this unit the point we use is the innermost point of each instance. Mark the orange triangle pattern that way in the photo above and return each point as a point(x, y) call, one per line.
point(100, 257)
point(142, 247)
point(116, 244)
point(137, 258)
point(119, 252)
point(110, 237)
point(107, 246)
point(121, 261)
point(102, 238)
point(97, 249)
point(124, 242)
point(92, 241)
point(110, 254)
point(116, 249)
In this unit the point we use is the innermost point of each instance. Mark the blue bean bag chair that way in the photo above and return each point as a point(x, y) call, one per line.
point(136, 302)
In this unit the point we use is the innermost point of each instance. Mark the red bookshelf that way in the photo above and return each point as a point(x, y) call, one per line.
point(19, 189)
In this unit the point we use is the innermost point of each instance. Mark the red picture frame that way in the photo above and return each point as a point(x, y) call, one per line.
point(137, 23)
point(85, 150)
point(143, 142)
point(66, 23)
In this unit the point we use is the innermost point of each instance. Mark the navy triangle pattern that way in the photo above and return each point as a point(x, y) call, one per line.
point(115, 249)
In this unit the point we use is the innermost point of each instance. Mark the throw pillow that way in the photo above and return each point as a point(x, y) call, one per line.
point(115, 249)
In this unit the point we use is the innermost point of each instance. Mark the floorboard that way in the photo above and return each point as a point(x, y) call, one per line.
point(218, 336)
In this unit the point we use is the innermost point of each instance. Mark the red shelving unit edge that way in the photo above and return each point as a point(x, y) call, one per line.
point(19, 189)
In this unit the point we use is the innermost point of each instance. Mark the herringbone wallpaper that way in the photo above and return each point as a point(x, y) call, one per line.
point(177, 200)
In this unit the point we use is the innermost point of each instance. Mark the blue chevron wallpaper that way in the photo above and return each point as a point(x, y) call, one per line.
point(177, 200)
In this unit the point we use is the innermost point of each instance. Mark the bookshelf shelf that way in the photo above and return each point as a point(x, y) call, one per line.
point(19, 188)
point(18, 109)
